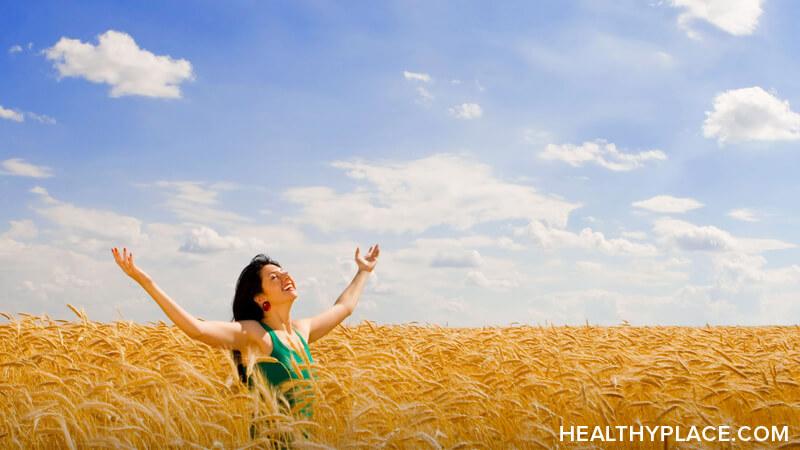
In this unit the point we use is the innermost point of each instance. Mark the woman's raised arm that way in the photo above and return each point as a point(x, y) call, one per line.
point(218, 334)
point(325, 322)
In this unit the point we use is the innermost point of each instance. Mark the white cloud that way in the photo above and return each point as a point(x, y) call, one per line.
point(737, 17)
point(413, 196)
point(15, 49)
point(735, 271)
point(743, 214)
point(452, 306)
point(197, 201)
point(553, 238)
point(638, 235)
point(668, 204)
point(478, 278)
point(574, 307)
point(688, 306)
point(18, 167)
point(206, 240)
point(645, 273)
point(424, 95)
point(118, 61)
point(21, 230)
point(41, 118)
point(417, 76)
point(458, 258)
point(466, 111)
point(601, 153)
point(687, 236)
point(10, 114)
point(455, 248)
point(92, 222)
point(43, 194)
point(751, 114)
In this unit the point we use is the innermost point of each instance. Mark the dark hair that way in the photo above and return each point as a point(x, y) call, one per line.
point(244, 308)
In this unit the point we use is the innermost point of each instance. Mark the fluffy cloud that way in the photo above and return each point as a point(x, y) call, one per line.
point(15, 49)
point(21, 230)
point(17, 116)
point(751, 114)
point(18, 167)
point(10, 114)
point(91, 222)
point(553, 238)
point(734, 271)
point(743, 214)
point(197, 201)
point(417, 76)
point(118, 61)
point(668, 204)
point(466, 111)
point(600, 152)
point(687, 236)
point(206, 240)
point(737, 17)
point(416, 195)
point(478, 278)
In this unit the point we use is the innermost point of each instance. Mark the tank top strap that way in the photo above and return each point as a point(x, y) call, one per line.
point(281, 344)
point(305, 344)
point(267, 329)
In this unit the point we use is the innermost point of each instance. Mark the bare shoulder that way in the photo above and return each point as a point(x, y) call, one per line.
point(249, 325)
point(304, 327)
point(257, 334)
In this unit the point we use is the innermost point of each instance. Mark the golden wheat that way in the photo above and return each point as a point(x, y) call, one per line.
point(126, 385)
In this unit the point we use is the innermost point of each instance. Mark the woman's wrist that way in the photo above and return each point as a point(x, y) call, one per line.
point(143, 280)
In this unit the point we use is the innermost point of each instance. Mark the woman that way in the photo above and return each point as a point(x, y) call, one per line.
point(262, 323)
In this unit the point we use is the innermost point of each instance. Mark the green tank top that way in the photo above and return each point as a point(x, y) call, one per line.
point(278, 372)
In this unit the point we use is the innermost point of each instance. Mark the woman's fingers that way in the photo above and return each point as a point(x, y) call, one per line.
point(125, 260)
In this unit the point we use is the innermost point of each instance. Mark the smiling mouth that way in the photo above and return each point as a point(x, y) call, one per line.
point(289, 286)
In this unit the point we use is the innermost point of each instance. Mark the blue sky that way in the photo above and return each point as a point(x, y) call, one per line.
point(554, 162)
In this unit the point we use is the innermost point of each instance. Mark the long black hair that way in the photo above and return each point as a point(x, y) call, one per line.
point(244, 308)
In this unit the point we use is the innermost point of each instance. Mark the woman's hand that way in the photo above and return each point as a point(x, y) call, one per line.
point(367, 263)
point(125, 262)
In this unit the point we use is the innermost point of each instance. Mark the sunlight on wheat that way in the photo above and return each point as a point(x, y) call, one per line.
point(85, 384)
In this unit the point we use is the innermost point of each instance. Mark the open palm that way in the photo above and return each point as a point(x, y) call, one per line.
point(125, 262)
point(367, 263)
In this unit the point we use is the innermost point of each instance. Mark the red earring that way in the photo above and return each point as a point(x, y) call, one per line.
point(265, 306)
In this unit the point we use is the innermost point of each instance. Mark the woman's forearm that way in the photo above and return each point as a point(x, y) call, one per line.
point(349, 298)
point(185, 321)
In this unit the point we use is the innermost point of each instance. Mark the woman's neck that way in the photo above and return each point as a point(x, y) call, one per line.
point(279, 319)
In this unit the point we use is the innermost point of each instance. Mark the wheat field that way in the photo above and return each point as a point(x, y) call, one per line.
point(86, 384)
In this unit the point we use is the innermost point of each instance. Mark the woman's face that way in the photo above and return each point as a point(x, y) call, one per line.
point(277, 285)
